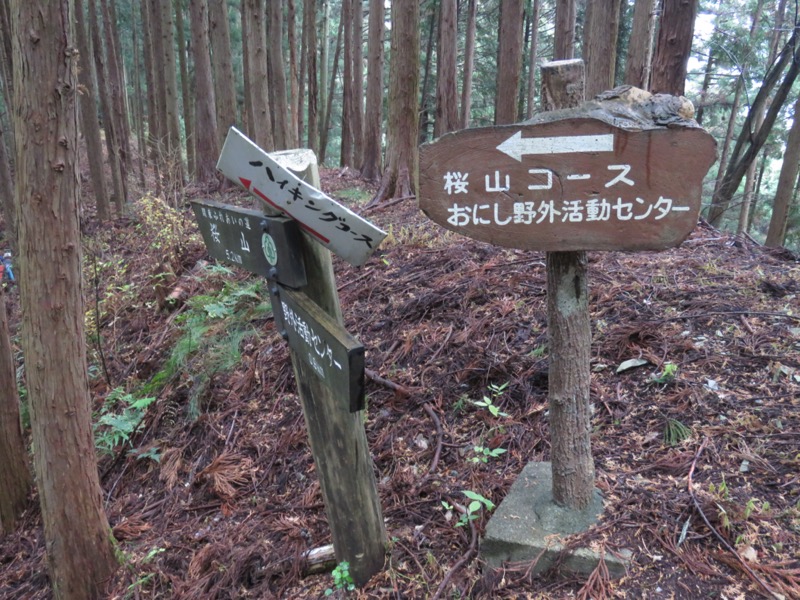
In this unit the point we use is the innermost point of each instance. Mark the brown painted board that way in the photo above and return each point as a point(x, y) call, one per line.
point(322, 343)
point(264, 245)
point(572, 184)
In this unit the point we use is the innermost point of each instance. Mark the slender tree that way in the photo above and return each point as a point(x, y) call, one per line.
point(186, 97)
point(256, 49)
point(15, 478)
point(402, 155)
point(295, 102)
point(168, 70)
point(106, 103)
point(371, 166)
point(532, 57)
point(222, 67)
point(446, 92)
point(564, 34)
point(310, 36)
point(77, 536)
point(7, 192)
point(91, 126)
point(776, 234)
point(358, 81)
point(152, 86)
point(282, 131)
point(640, 46)
point(116, 83)
point(346, 156)
point(326, 125)
point(205, 140)
point(469, 63)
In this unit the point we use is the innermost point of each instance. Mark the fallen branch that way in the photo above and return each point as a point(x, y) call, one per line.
point(396, 387)
point(464, 559)
point(439, 436)
point(716, 533)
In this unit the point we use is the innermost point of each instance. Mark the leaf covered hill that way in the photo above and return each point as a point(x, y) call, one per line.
point(211, 488)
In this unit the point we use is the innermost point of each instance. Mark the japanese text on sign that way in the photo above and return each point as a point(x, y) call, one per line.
point(319, 348)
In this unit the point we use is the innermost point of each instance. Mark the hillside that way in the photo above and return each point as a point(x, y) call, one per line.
point(214, 494)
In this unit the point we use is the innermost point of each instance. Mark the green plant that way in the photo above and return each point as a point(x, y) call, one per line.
point(342, 580)
point(539, 352)
point(120, 417)
point(495, 391)
point(675, 432)
point(668, 373)
point(483, 454)
point(473, 509)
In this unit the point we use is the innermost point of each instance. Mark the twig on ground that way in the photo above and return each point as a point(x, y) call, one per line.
point(439, 436)
point(716, 533)
point(463, 560)
point(396, 387)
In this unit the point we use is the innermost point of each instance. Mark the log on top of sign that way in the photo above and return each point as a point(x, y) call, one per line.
point(580, 179)
point(336, 227)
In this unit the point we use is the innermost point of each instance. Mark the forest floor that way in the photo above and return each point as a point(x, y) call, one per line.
point(214, 495)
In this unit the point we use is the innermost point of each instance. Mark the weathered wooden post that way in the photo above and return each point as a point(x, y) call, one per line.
point(623, 172)
point(288, 241)
point(569, 332)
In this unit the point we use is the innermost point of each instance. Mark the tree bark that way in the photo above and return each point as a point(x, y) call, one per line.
point(168, 69)
point(402, 155)
point(282, 131)
point(469, 63)
point(222, 67)
point(116, 82)
point(77, 536)
point(152, 86)
point(674, 47)
point(509, 62)
point(7, 192)
point(15, 478)
point(91, 126)
point(138, 104)
point(323, 75)
point(371, 166)
point(323, 140)
point(310, 36)
point(346, 157)
point(533, 57)
point(205, 139)
point(564, 35)
point(256, 48)
point(106, 103)
point(186, 97)
point(424, 103)
point(358, 82)
point(600, 45)
point(446, 92)
point(776, 234)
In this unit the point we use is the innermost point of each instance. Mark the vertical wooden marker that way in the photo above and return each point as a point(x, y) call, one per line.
point(569, 332)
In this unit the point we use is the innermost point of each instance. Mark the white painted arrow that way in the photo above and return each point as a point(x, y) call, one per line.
point(516, 146)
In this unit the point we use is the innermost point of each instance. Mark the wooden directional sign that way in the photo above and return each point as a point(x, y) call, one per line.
point(267, 246)
point(334, 226)
point(575, 183)
point(334, 355)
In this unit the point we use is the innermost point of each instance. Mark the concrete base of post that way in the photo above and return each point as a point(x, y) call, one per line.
point(528, 525)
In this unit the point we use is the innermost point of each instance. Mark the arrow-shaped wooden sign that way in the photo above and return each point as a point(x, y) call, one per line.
point(334, 226)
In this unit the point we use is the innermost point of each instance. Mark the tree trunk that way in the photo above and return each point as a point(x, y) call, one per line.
point(323, 76)
point(295, 102)
point(402, 156)
point(674, 47)
point(7, 192)
point(446, 89)
point(346, 158)
point(282, 131)
point(750, 139)
point(564, 35)
point(116, 82)
point(91, 126)
point(469, 64)
point(15, 478)
point(533, 57)
point(152, 87)
point(776, 235)
point(323, 140)
point(106, 103)
point(205, 139)
point(569, 336)
point(256, 48)
point(310, 35)
point(77, 535)
point(222, 67)
point(600, 45)
point(168, 69)
point(358, 82)
point(371, 166)
point(138, 107)
point(701, 107)
point(424, 108)
point(509, 62)
point(248, 116)
point(186, 97)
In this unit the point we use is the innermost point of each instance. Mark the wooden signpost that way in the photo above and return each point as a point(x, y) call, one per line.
point(284, 242)
point(620, 174)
